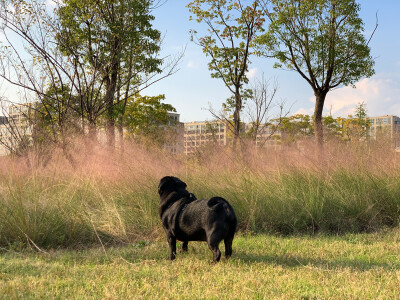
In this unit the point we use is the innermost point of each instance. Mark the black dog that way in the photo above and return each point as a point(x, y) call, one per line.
point(185, 218)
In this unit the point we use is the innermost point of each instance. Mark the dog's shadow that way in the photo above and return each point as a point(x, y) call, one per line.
point(285, 261)
point(200, 251)
point(294, 261)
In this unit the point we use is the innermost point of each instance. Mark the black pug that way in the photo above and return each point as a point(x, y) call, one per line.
point(185, 218)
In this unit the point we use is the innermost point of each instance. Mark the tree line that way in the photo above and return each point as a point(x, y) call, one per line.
point(322, 40)
point(86, 63)
point(354, 127)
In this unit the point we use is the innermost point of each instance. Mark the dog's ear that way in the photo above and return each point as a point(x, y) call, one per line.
point(179, 183)
point(163, 183)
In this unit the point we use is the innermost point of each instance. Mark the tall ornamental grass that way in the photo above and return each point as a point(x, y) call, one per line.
point(112, 197)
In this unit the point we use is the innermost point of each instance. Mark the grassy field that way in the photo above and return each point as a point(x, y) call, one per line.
point(352, 266)
point(312, 225)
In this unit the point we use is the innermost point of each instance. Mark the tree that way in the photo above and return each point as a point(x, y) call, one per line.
point(116, 38)
point(260, 106)
point(294, 127)
point(232, 27)
point(354, 127)
point(361, 120)
point(147, 117)
point(322, 40)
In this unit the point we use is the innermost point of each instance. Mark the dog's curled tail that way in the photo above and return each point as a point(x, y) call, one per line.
point(218, 203)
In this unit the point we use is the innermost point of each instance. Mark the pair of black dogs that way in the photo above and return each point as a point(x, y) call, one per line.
point(186, 218)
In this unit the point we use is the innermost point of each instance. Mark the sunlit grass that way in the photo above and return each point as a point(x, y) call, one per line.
point(361, 266)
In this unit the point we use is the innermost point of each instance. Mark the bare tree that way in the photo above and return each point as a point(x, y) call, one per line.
point(260, 106)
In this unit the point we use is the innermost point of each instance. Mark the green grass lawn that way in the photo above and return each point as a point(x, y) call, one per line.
point(356, 266)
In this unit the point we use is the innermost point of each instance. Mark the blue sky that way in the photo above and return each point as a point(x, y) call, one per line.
point(191, 90)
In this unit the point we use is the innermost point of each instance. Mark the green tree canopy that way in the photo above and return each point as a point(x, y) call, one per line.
point(148, 117)
point(322, 40)
point(114, 38)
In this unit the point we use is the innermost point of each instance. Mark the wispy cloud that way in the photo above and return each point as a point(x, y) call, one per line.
point(252, 73)
point(192, 65)
point(52, 3)
point(305, 111)
point(381, 94)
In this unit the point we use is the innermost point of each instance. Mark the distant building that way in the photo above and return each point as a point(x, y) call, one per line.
point(267, 135)
point(175, 140)
point(198, 134)
point(18, 114)
point(4, 136)
point(388, 125)
point(15, 127)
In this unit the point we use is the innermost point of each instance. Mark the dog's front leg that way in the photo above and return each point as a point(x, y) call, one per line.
point(172, 246)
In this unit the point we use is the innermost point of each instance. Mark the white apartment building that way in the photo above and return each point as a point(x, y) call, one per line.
point(198, 134)
point(266, 135)
point(175, 145)
point(388, 125)
point(14, 127)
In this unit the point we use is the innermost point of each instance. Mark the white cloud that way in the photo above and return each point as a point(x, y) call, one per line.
point(192, 65)
point(252, 73)
point(51, 3)
point(381, 94)
point(305, 111)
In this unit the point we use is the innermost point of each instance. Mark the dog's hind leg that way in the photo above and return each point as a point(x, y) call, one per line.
point(185, 246)
point(213, 242)
point(228, 246)
point(228, 241)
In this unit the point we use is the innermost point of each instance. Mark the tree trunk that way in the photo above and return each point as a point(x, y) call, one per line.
point(111, 80)
point(110, 128)
point(92, 133)
point(236, 117)
point(121, 134)
point(319, 106)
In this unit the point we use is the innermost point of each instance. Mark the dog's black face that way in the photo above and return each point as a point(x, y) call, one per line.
point(170, 184)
